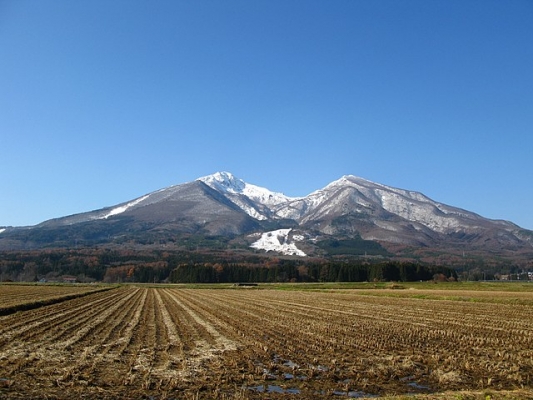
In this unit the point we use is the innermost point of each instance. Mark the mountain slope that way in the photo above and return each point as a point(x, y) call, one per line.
point(189, 208)
point(380, 212)
point(351, 210)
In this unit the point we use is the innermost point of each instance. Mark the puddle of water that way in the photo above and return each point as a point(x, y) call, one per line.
point(273, 389)
point(353, 394)
point(291, 364)
point(418, 386)
point(286, 363)
point(414, 385)
point(292, 391)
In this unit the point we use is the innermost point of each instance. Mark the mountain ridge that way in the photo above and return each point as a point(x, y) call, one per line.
point(349, 208)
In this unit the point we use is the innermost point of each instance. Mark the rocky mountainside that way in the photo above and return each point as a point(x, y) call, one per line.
point(350, 215)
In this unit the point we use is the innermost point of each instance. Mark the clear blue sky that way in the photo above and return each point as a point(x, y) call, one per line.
point(104, 101)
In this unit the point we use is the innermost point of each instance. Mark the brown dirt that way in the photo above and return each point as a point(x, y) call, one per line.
point(236, 344)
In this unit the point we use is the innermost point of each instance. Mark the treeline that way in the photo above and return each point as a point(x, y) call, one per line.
point(90, 264)
point(126, 265)
point(110, 265)
point(290, 271)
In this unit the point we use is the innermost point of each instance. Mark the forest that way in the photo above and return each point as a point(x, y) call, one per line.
point(121, 266)
point(317, 271)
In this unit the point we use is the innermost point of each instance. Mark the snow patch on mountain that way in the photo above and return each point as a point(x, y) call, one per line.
point(280, 242)
point(420, 209)
point(121, 209)
point(410, 205)
point(2, 230)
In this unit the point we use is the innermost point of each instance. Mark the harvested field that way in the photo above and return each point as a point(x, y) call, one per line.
point(15, 298)
point(140, 342)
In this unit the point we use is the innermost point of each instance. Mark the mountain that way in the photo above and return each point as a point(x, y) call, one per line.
point(255, 201)
point(349, 216)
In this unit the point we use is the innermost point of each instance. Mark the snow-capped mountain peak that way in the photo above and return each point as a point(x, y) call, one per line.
point(256, 201)
point(352, 181)
point(224, 182)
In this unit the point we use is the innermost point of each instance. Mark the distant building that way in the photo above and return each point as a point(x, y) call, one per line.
point(524, 276)
point(69, 279)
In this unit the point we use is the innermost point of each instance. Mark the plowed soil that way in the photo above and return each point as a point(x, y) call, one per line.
point(140, 342)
